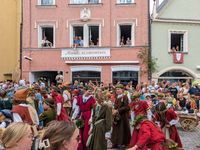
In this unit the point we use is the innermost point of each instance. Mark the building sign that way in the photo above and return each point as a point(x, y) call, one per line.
point(85, 53)
point(178, 57)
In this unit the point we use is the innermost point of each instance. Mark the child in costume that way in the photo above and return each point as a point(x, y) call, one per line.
point(152, 136)
point(166, 119)
point(32, 99)
point(5, 101)
point(74, 101)
point(85, 103)
point(23, 112)
point(48, 115)
point(101, 124)
point(108, 100)
point(59, 101)
point(138, 107)
point(5, 118)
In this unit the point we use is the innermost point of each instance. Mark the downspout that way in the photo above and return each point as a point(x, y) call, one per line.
point(149, 35)
point(21, 24)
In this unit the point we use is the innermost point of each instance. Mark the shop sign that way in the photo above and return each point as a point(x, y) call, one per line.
point(85, 53)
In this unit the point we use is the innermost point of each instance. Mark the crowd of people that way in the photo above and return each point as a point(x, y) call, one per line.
point(73, 116)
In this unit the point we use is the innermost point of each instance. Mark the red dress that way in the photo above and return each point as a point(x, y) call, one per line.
point(141, 109)
point(85, 108)
point(151, 137)
point(174, 133)
point(63, 114)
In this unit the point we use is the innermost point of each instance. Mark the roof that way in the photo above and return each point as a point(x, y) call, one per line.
point(162, 5)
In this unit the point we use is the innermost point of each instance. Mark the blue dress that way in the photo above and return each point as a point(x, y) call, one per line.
point(40, 107)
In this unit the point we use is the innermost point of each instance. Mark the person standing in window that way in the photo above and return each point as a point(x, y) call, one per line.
point(46, 43)
point(128, 41)
point(59, 78)
point(81, 42)
point(76, 42)
point(122, 42)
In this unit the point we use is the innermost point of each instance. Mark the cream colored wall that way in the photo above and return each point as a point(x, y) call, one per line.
point(10, 19)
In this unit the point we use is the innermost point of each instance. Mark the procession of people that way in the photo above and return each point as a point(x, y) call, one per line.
point(91, 115)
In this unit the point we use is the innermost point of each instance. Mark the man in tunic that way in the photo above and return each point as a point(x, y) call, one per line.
point(101, 124)
point(121, 134)
point(67, 98)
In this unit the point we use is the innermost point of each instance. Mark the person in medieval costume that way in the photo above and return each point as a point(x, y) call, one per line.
point(32, 99)
point(85, 103)
point(101, 124)
point(168, 99)
point(61, 112)
point(5, 101)
point(126, 91)
point(40, 106)
point(121, 134)
point(152, 136)
point(138, 106)
point(166, 119)
point(67, 98)
point(50, 113)
point(74, 101)
point(23, 112)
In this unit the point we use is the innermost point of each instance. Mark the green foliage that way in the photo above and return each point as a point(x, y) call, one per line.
point(150, 62)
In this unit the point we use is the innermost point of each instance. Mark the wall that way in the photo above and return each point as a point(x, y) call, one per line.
point(160, 45)
point(10, 14)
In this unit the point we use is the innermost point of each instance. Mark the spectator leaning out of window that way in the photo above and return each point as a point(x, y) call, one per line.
point(81, 42)
point(128, 41)
point(76, 42)
point(46, 43)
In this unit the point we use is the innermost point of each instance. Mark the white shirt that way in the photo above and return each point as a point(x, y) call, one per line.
point(45, 41)
point(65, 97)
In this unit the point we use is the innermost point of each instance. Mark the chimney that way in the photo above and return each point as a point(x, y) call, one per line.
point(157, 3)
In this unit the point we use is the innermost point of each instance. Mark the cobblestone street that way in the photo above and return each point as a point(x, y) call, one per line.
point(189, 139)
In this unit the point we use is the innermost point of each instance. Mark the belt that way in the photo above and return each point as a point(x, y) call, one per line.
point(157, 145)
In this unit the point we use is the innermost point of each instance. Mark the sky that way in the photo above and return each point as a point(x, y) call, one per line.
point(151, 5)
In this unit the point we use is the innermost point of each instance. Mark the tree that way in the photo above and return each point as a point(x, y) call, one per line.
point(148, 60)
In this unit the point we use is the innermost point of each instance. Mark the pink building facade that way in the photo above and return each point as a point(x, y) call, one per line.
point(100, 23)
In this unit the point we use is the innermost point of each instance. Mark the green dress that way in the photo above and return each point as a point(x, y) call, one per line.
point(47, 116)
point(5, 104)
point(103, 113)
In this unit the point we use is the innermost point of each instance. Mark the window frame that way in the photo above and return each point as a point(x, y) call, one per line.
point(185, 39)
point(40, 34)
point(85, 33)
point(84, 2)
point(40, 3)
point(118, 2)
point(132, 33)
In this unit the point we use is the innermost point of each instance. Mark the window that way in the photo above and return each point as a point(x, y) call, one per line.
point(93, 35)
point(125, 35)
point(177, 41)
point(125, 1)
point(84, 1)
point(48, 32)
point(85, 76)
point(90, 34)
point(46, 2)
point(125, 76)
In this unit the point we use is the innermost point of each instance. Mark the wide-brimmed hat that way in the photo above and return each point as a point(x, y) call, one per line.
point(148, 95)
point(119, 86)
point(68, 84)
point(21, 95)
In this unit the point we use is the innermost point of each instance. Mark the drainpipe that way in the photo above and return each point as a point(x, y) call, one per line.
point(21, 24)
point(149, 36)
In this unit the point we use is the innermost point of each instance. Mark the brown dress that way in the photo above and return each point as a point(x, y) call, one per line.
point(121, 134)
